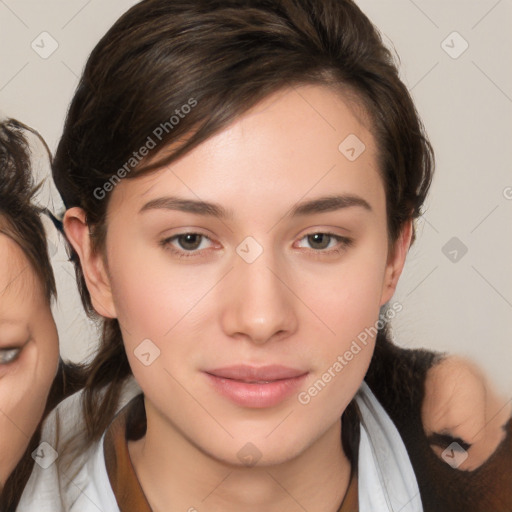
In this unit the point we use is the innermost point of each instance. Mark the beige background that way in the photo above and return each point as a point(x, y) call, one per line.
point(464, 98)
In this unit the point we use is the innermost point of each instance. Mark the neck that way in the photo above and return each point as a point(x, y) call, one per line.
point(177, 475)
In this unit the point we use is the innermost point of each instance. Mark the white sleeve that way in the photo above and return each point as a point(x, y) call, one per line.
point(49, 489)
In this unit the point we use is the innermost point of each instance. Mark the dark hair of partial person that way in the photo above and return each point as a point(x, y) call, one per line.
point(20, 220)
point(225, 56)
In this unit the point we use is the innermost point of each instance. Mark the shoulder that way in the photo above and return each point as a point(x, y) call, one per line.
point(62, 481)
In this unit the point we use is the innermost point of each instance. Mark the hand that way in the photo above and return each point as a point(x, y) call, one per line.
point(459, 402)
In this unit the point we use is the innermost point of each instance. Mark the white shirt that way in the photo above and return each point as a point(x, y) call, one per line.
point(386, 480)
point(49, 488)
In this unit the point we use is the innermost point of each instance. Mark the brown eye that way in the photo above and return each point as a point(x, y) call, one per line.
point(320, 242)
point(322, 239)
point(189, 241)
point(186, 245)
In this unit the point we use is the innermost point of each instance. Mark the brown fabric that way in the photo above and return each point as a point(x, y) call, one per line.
point(123, 479)
point(130, 424)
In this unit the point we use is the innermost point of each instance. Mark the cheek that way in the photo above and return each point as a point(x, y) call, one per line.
point(46, 343)
point(151, 290)
point(349, 304)
point(349, 298)
point(340, 361)
point(150, 298)
point(38, 372)
point(23, 394)
point(137, 282)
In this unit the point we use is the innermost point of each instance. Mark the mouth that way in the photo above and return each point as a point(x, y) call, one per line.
point(262, 374)
point(255, 387)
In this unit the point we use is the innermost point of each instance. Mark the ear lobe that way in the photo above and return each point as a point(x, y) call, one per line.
point(396, 262)
point(93, 266)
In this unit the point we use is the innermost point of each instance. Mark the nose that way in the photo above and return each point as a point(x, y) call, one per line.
point(260, 305)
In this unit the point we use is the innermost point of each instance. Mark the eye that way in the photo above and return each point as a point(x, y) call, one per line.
point(189, 244)
point(9, 355)
point(186, 245)
point(321, 241)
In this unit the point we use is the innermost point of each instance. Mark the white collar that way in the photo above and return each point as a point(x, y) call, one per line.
point(386, 479)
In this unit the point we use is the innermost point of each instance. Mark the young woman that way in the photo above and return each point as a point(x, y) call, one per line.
point(241, 181)
point(32, 381)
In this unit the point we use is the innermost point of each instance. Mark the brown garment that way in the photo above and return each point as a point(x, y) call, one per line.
point(123, 479)
point(129, 424)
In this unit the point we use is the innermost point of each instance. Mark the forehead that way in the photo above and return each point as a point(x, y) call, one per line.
point(295, 141)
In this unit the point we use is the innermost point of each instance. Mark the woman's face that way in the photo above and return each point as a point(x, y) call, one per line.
point(283, 279)
point(29, 353)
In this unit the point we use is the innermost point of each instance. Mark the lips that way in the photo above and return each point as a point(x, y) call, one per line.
point(261, 375)
point(254, 387)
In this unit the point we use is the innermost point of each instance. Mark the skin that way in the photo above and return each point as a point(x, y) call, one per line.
point(26, 324)
point(291, 306)
point(460, 401)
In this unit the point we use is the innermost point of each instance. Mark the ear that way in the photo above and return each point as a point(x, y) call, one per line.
point(396, 261)
point(92, 263)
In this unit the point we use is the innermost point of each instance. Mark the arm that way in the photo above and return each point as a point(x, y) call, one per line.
point(405, 381)
point(460, 402)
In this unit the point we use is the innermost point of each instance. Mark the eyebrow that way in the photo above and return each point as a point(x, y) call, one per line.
point(319, 205)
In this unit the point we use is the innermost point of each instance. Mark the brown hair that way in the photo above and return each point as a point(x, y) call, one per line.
point(19, 218)
point(223, 57)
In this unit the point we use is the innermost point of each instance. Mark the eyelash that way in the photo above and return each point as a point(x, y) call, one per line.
point(344, 244)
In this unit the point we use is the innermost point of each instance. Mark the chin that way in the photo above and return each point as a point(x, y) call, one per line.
point(257, 452)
